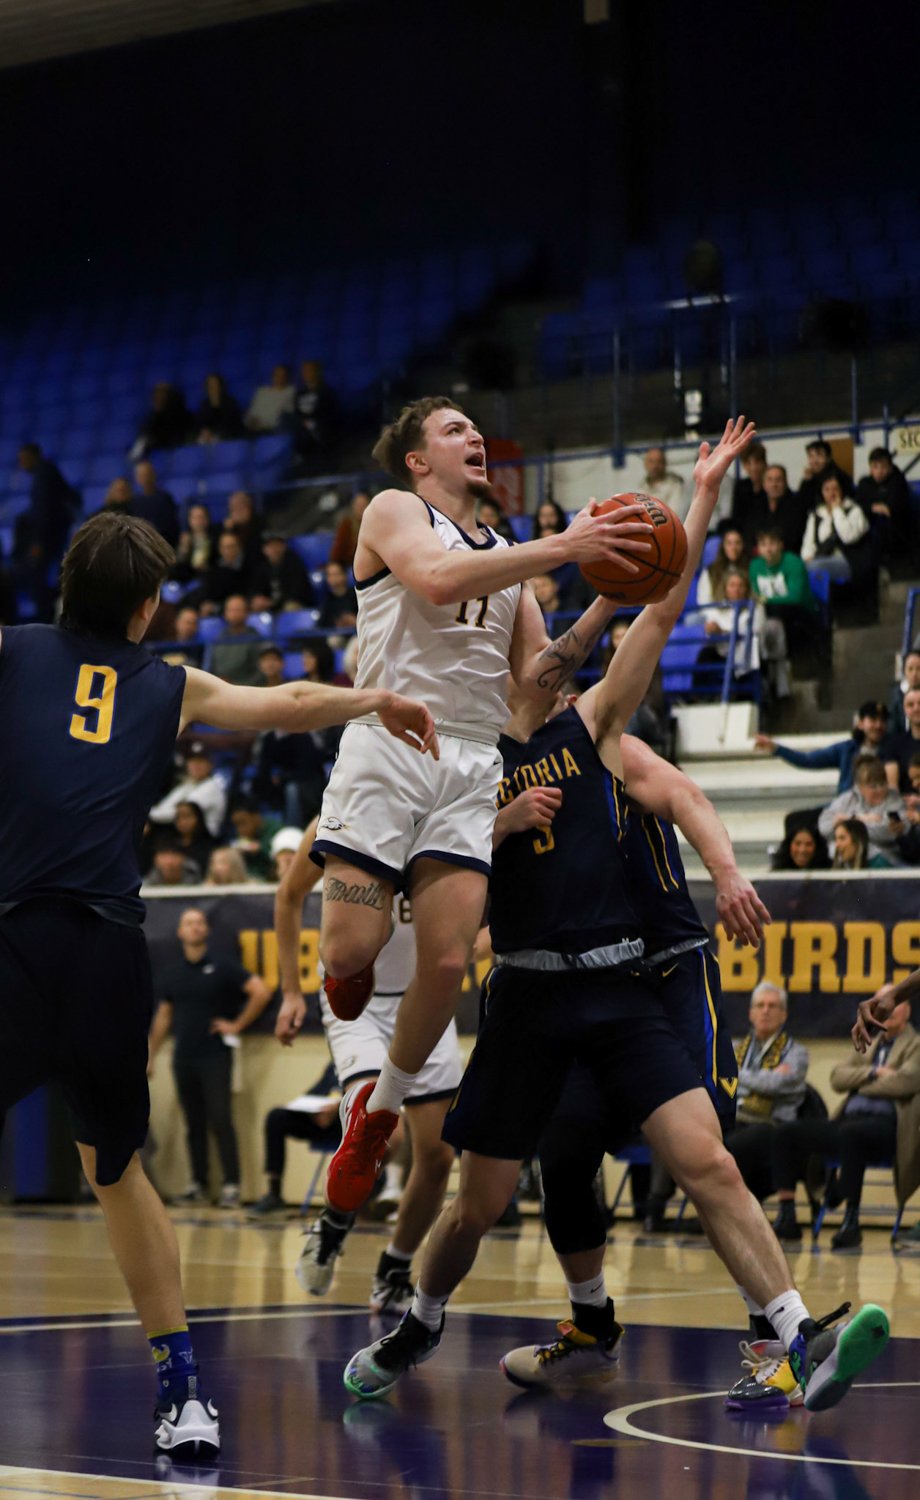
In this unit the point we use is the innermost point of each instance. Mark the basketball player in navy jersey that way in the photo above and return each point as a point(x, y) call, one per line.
point(89, 721)
point(564, 991)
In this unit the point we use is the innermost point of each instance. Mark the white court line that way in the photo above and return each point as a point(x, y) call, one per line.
point(294, 1311)
point(163, 1486)
point(619, 1420)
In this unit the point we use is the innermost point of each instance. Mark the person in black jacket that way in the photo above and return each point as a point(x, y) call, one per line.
point(280, 580)
point(776, 505)
point(40, 535)
point(154, 504)
point(219, 417)
point(884, 495)
point(819, 466)
point(168, 424)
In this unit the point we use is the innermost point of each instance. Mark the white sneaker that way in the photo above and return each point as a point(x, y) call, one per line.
point(575, 1358)
point(229, 1195)
point(186, 1429)
point(322, 1247)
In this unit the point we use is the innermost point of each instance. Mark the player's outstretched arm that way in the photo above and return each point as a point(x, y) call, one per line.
point(613, 701)
point(541, 667)
point(397, 530)
point(662, 789)
point(299, 879)
point(873, 1015)
point(300, 706)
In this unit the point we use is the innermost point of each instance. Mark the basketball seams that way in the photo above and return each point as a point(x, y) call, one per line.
point(646, 585)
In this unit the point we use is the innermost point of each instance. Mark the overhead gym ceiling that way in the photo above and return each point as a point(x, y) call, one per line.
point(31, 30)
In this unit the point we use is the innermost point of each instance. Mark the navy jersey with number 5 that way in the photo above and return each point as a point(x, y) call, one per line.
point(87, 731)
point(564, 888)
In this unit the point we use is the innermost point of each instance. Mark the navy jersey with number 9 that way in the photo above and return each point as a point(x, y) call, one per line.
point(87, 731)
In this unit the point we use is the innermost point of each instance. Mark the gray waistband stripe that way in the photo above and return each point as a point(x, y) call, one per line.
point(662, 956)
point(557, 963)
point(472, 732)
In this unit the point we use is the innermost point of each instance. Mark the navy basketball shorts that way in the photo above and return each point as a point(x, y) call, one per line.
point(534, 1027)
point(76, 999)
point(690, 990)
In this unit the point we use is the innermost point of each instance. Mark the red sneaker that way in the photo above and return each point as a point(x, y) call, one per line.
point(356, 1165)
point(348, 997)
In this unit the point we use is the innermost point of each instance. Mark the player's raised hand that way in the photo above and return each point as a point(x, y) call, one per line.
point(740, 909)
point(410, 722)
point(872, 1015)
point(614, 535)
point(714, 463)
point(291, 1016)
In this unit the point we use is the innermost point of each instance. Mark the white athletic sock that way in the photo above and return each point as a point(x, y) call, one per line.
point(390, 1089)
point(428, 1310)
point(754, 1308)
point(786, 1312)
point(591, 1293)
point(395, 1254)
point(392, 1180)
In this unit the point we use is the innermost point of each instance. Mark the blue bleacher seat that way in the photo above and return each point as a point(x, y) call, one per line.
point(293, 622)
point(522, 526)
point(263, 622)
point(192, 459)
point(211, 628)
point(313, 550)
point(293, 665)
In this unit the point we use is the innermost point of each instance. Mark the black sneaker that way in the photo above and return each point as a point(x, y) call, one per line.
point(392, 1291)
point(187, 1428)
point(322, 1248)
point(269, 1203)
point(374, 1371)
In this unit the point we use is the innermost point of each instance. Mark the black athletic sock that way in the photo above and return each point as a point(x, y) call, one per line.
point(598, 1322)
point(337, 1220)
point(761, 1327)
point(388, 1262)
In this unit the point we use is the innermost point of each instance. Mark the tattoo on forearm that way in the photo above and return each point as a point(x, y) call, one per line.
point(355, 895)
point(562, 658)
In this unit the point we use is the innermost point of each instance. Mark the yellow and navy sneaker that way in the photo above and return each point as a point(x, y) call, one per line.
point(769, 1384)
point(574, 1358)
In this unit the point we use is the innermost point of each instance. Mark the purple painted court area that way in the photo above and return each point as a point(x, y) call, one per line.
point(80, 1399)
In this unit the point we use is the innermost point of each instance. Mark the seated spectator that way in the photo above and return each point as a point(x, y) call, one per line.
point(285, 845)
point(851, 847)
point(154, 504)
point(280, 581)
point(658, 480)
point(119, 495)
point(908, 830)
point(490, 514)
point(345, 540)
point(771, 1085)
point(41, 532)
point(805, 849)
point(171, 866)
point(192, 835)
point(196, 551)
point(218, 418)
point(898, 750)
point(290, 773)
point(879, 1121)
point(779, 579)
point(313, 1117)
point(835, 529)
point(199, 785)
point(272, 404)
point(168, 423)
point(254, 834)
point(866, 739)
point(819, 466)
point(897, 723)
point(226, 867)
point(188, 650)
point(768, 647)
point(244, 521)
point(873, 802)
point(271, 666)
point(546, 592)
point(339, 610)
point(776, 506)
point(228, 576)
point(235, 654)
point(187, 623)
point(550, 520)
point(315, 415)
point(205, 999)
point(732, 553)
point(885, 500)
point(318, 660)
point(748, 494)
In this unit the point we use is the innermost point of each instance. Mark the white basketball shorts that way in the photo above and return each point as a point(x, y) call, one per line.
point(359, 1047)
point(387, 806)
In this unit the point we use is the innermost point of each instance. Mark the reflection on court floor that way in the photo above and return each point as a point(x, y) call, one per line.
point(76, 1397)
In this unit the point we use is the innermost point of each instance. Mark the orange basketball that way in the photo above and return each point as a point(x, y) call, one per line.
point(659, 569)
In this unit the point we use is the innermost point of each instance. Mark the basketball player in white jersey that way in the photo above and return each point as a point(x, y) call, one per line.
point(442, 615)
point(359, 1050)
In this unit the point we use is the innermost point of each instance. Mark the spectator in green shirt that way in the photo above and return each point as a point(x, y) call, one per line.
point(254, 833)
point(779, 579)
